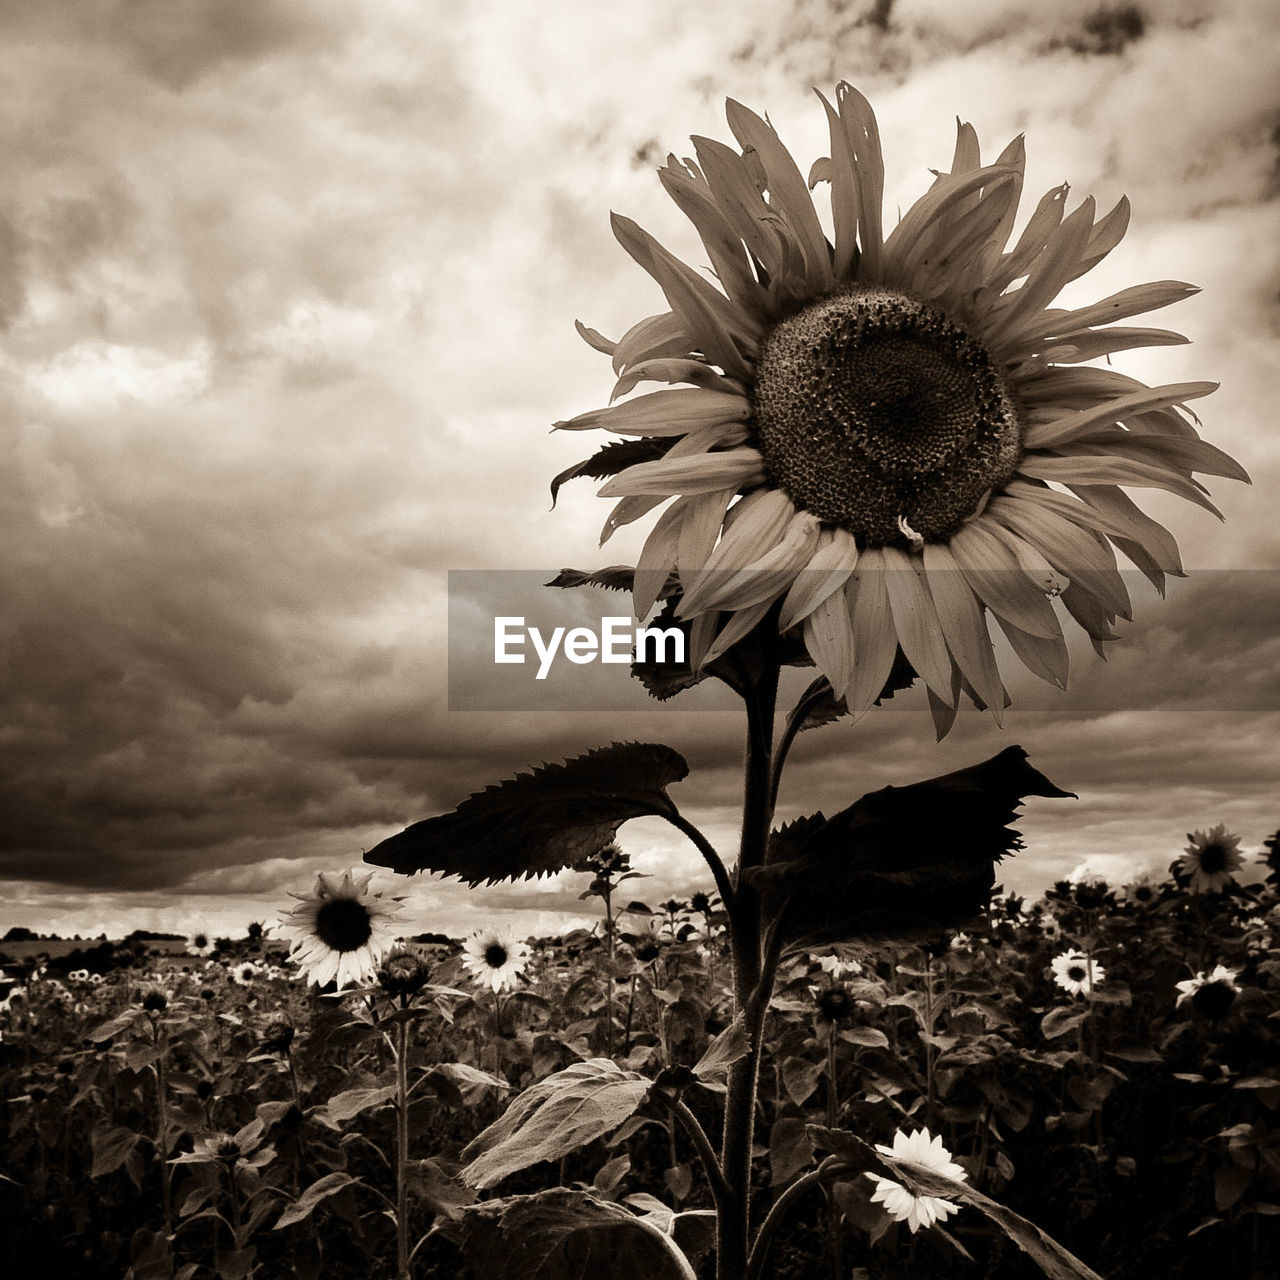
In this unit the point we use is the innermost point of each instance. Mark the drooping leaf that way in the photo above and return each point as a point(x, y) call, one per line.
point(1054, 1261)
point(616, 577)
point(730, 1045)
point(429, 1182)
point(1057, 1022)
point(612, 458)
point(305, 1205)
point(553, 817)
point(350, 1103)
point(553, 1117)
point(902, 862)
point(565, 1235)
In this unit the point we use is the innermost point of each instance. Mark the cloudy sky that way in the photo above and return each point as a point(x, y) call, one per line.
point(287, 293)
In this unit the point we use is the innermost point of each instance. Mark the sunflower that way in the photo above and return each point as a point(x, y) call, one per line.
point(1210, 861)
point(1076, 972)
point(495, 958)
point(200, 943)
point(884, 440)
point(340, 930)
point(1211, 994)
point(928, 1152)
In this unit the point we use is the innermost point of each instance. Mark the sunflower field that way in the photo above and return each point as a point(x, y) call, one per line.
point(1103, 1062)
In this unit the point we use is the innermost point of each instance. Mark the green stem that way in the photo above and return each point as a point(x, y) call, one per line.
point(402, 1149)
point(162, 1138)
point(733, 1223)
point(831, 1167)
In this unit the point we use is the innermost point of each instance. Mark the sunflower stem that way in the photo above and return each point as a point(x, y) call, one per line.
point(831, 1167)
point(402, 1147)
point(733, 1222)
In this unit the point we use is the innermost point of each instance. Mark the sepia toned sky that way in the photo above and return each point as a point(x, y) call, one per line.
point(287, 296)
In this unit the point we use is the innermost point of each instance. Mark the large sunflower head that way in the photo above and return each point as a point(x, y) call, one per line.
point(885, 441)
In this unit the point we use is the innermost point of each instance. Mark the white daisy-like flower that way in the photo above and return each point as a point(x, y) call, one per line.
point(79, 975)
point(1221, 977)
point(838, 967)
point(961, 942)
point(199, 943)
point(495, 958)
point(1077, 972)
point(921, 1149)
point(1211, 860)
point(245, 973)
point(341, 929)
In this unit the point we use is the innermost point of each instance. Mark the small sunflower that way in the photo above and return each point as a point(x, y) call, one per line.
point(340, 930)
point(885, 440)
point(1211, 994)
point(928, 1152)
point(837, 967)
point(495, 958)
point(1143, 892)
point(200, 943)
point(1076, 972)
point(1211, 860)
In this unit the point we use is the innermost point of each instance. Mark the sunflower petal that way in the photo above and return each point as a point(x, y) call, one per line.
point(788, 193)
point(1105, 236)
point(763, 579)
point(1048, 658)
point(742, 621)
point(732, 468)
point(1138, 527)
point(962, 622)
point(653, 338)
point(657, 558)
point(993, 572)
point(1109, 470)
point(629, 510)
point(828, 637)
point(1046, 277)
point(1080, 423)
point(876, 646)
point(724, 332)
point(828, 570)
point(1089, 344)
point(664, 413)
point(594, 338)
point(673, 369)
point(704, 517)
point(944, 710)
point(915, 619)
point(1035, 235)
point(1118, 306)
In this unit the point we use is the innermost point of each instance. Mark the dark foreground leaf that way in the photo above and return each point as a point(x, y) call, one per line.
point(553, 817)
point(902, 862)
point(565, 1235)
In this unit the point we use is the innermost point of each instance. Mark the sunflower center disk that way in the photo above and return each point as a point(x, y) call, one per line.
point(873, 408)
point(343, 924)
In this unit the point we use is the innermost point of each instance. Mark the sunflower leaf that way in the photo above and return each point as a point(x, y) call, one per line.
point(563, 1235)
point(612, 458)
point(1053, 1260)
point(902, 862)
point(557, 1115)
point(617, 577)
point(539, 822)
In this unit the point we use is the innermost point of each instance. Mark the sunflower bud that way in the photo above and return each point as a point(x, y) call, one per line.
point(402, 974)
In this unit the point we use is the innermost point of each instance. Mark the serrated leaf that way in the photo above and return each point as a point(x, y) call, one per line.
point(1054, 1261)
point(612, 458)
point(553, 817)
point(565, 1235)
point(305, 1205)
point(902, 862)
point(112, 1144)
point(616, 577)
point(554, 1117)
